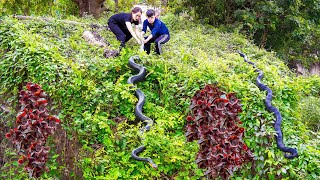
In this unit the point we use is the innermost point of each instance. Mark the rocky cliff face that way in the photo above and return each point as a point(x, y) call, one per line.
point(312, 70)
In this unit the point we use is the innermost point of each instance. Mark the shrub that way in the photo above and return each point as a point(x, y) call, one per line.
point(97, 105)
point(214, 122)
point(33, 126)
point(310, 112)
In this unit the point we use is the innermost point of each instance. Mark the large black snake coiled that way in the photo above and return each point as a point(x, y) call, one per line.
point(277, 125)
point(138, 109)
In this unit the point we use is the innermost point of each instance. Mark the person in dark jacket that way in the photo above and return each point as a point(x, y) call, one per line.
point(121, 25)
point(159, 32)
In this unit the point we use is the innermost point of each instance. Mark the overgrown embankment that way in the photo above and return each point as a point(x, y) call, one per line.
point(96, 105)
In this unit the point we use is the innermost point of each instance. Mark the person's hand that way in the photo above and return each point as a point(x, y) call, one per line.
point(138, 41)
point(145, 41)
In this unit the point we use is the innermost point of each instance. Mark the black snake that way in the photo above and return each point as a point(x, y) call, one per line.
point(138, 109)
point(277, 125)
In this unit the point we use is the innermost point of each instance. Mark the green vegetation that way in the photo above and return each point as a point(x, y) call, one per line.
point(58, 9)
point(311, 106)
point(289, 27)
point(96, 105)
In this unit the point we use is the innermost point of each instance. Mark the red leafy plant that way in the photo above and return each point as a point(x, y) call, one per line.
point(33, 126)
point(214, 123)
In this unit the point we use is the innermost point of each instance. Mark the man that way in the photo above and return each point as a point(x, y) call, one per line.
point(159, 32)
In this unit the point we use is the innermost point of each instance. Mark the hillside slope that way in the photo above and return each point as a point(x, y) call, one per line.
point(91, 96)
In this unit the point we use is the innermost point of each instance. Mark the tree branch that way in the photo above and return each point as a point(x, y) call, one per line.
point(92, 25)
point(47, 19)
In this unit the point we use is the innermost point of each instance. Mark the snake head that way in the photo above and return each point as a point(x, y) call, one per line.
point(291, 153)
point(153, 165)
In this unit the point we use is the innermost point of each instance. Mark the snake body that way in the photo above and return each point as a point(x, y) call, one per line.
point(277, 125)
point(138, 109)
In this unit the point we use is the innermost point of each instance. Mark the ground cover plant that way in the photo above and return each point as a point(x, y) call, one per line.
point(96, 105)
point(214, 123)
point(33, 126)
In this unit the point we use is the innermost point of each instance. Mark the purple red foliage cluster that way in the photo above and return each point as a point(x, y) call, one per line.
point(214, 123)
point(33, 126)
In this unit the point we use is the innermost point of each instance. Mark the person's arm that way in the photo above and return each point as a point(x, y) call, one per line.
point(154, 31)
point(144, 26)
point(156, 28)
point(128, 24)
point(148, 39)
point(139, 35)
point(144, 30)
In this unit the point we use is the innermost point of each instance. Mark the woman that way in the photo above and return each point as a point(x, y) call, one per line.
point(120, 25)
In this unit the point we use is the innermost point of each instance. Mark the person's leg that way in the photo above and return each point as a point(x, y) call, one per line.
point(161, 40)
point(128, 34)
point(119, 33)
point(148, 44)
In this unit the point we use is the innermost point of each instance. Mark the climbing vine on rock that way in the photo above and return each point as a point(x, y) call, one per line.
point(214, 123)
point(33, 126)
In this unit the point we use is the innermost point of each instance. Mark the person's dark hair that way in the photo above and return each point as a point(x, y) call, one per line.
point(136, 9)
point(150, 13)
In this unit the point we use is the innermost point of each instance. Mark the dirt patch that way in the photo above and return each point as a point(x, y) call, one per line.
point(110, 53)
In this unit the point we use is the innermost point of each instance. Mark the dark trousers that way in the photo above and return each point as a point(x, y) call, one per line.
point(158, 40)
point(122, 34)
